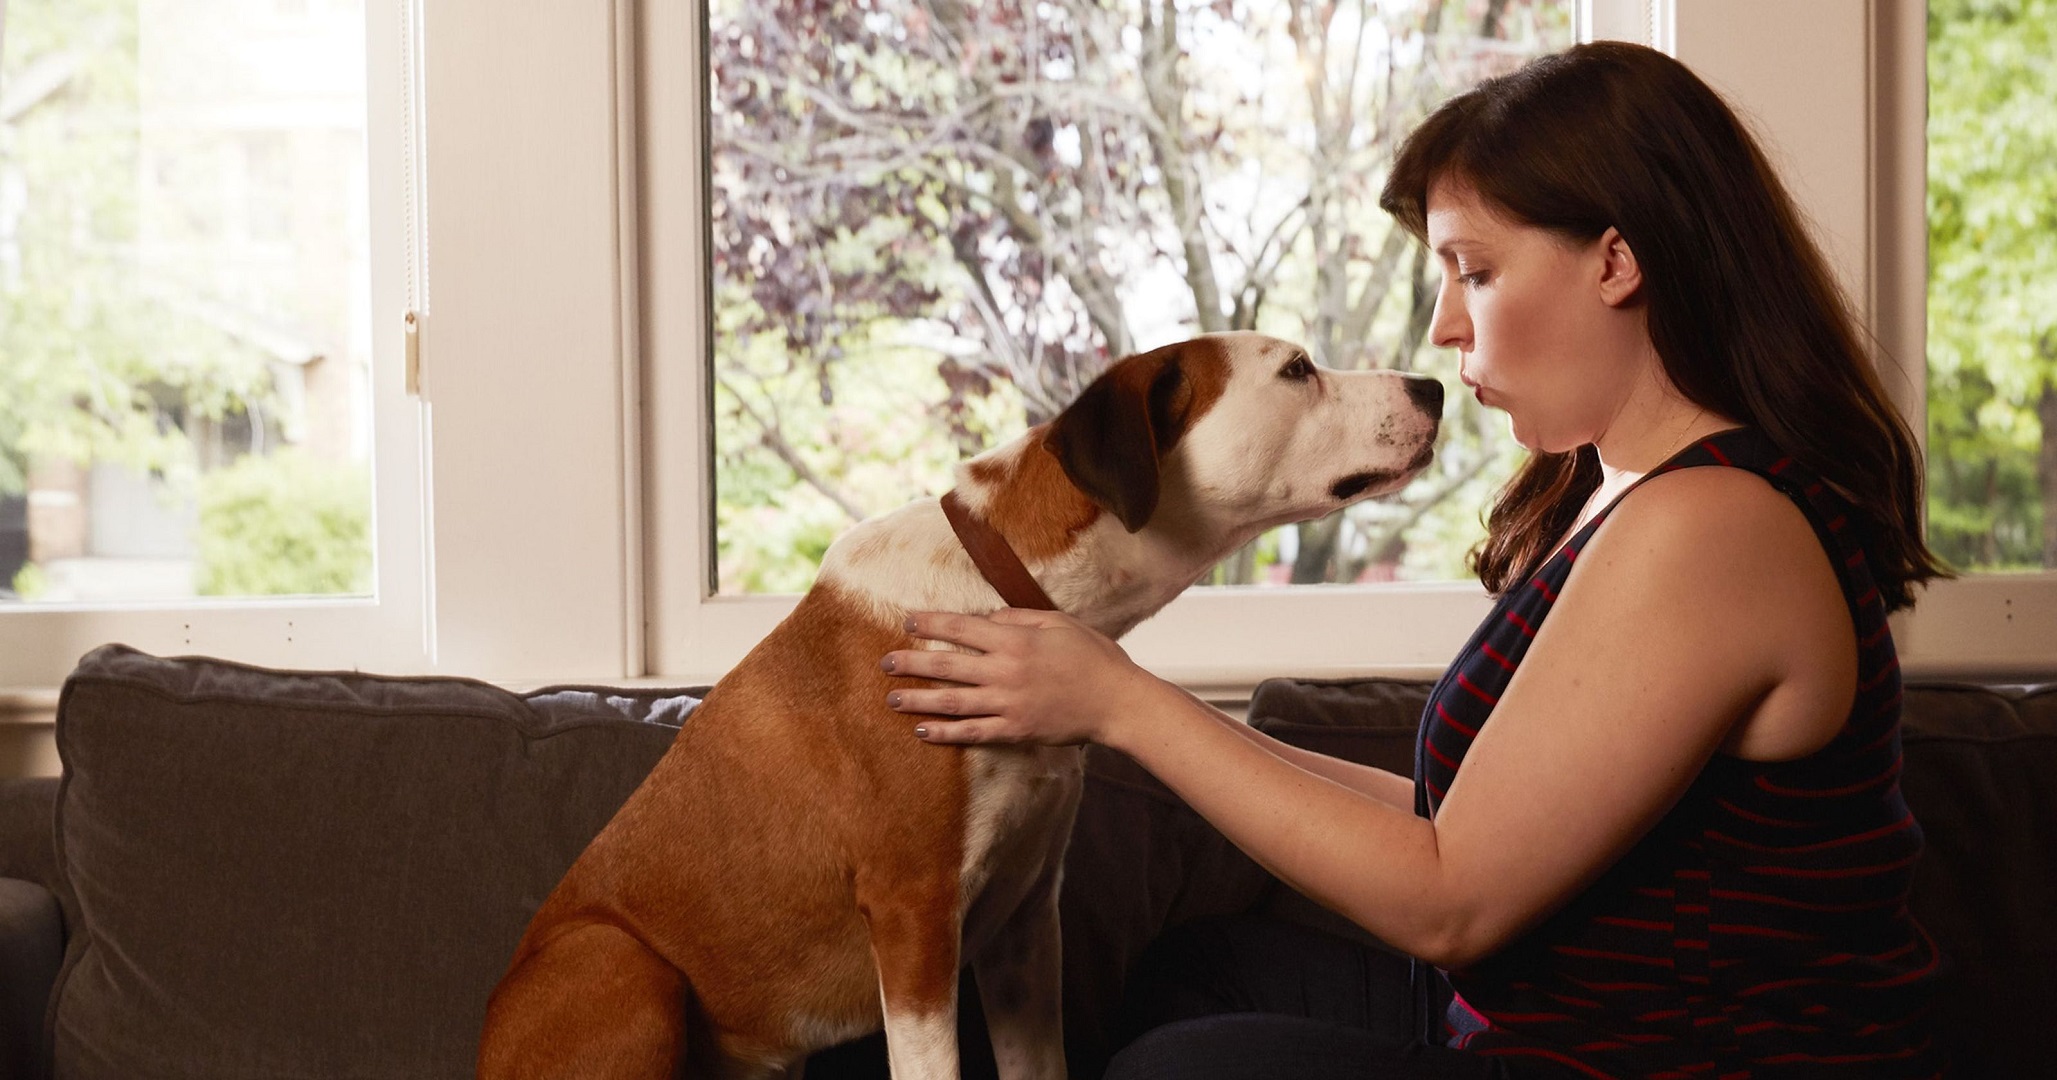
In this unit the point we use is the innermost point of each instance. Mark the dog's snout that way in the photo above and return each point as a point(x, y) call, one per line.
point(1426, 393)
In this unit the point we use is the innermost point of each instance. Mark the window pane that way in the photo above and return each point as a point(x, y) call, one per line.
point(184, 300)
point(934, 223)
point(1992, 293)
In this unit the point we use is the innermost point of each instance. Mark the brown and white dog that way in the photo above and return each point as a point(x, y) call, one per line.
point(799, 869)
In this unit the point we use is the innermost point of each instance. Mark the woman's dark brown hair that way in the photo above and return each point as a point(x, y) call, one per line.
point(1742, 308)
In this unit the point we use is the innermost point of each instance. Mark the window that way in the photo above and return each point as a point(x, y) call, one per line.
point(187, 412)
point(549, 512)
point(1992, 284)
point(190, 419)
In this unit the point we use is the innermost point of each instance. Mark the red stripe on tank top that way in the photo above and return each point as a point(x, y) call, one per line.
point(1467, 732)
point(1752, 930)
point(1760, 819)
point(1798, 1058)
point(1906, 822)
point(1464, 681)
point(1832, 873)
point(1883, 776)
point(1800, 905)
point(1873, 682)
point(1601, 954)
point(1781, 984)
point(1876, 958)
point(1633, 924)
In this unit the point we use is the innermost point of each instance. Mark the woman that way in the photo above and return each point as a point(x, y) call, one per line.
point(1655, 826)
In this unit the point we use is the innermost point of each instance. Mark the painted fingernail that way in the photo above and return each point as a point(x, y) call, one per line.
point(893, 699)
point(886, 664)
point(910, 624)
point(921, 733)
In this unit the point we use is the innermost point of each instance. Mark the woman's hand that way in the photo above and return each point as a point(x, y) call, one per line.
point(1036, 677)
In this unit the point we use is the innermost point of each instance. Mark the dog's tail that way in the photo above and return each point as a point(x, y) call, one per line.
point(588, 1000)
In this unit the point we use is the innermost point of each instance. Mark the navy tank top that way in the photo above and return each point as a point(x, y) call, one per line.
point(1760, 930)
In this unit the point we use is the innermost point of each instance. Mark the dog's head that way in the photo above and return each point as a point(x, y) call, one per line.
point(1231, 434)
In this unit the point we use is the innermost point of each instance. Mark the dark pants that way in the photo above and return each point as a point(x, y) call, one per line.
point(1249, 998)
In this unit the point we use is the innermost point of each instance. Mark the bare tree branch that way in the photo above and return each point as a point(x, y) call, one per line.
point(770, 436)
point(1165, 90)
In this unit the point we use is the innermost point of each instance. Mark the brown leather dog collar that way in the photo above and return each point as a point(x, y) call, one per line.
point(996, 561)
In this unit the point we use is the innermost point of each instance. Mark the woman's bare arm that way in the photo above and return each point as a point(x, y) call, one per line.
point(1385, 786)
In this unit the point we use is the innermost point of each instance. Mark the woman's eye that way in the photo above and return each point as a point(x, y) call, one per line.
point(1298, 369)
point(1472, 280)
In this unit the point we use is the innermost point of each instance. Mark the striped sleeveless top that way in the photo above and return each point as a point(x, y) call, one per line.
point(1760, 930)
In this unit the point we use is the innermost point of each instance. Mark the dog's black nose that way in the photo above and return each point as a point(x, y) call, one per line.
point(1426, 393)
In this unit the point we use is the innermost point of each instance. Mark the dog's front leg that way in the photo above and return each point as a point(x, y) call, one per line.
point(915, 940)
point(1020, 976)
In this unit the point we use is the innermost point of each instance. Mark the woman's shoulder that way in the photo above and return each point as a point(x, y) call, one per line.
point(1722, 543)
point(1712, 514)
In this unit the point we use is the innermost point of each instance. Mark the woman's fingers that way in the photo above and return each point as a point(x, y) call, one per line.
point(1030, 617)
point(959, 732)
point(945, 701)
point(949, 666)
point(972, 631)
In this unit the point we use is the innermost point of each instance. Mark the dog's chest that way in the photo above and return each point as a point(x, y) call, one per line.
point(1022, 800)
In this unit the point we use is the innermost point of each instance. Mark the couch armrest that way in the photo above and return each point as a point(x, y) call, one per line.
point(28, 832)
point(31, 946)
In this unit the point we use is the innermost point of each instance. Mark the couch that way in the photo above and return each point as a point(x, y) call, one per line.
point(248, 873)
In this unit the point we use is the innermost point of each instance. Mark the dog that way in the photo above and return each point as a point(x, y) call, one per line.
point(799, 870)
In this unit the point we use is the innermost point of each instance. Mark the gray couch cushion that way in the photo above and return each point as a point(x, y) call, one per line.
point(272, 874)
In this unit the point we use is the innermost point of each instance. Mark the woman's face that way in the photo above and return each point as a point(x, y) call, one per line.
point(1538, 320)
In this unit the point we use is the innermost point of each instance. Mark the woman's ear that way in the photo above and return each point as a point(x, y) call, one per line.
point(1621, 276)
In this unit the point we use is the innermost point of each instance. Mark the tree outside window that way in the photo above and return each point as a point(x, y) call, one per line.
point(934, 221)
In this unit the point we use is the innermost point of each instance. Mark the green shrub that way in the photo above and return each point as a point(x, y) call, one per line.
point(284, 524)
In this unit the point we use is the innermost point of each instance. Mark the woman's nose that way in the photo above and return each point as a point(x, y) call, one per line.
point(1450, 326)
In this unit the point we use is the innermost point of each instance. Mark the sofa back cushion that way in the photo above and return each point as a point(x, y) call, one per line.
point(1981, 777)
point(295, 874)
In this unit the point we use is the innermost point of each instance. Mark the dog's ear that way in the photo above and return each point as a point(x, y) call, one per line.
point(1111, 439)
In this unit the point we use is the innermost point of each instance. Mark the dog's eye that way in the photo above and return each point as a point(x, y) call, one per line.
point(1298, 369)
